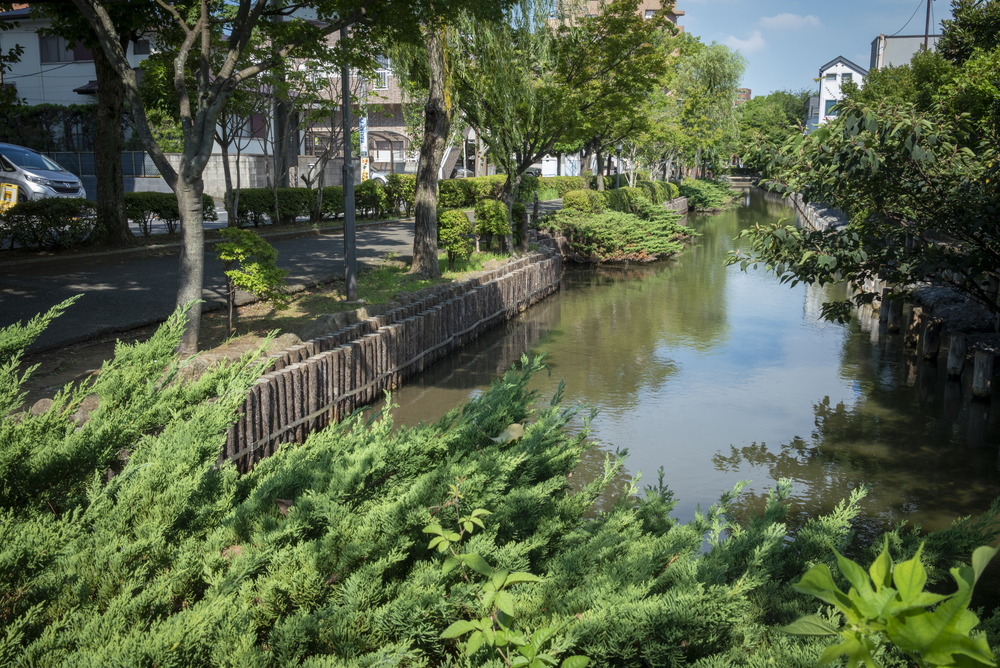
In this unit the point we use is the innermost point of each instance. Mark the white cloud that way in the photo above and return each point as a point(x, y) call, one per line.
point(755, 42)
point(788, 21)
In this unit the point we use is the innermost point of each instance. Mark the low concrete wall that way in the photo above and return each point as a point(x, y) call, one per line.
point(325, 379)
point(818, 216)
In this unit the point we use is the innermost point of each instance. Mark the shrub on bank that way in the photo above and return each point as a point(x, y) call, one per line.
point(54, 222)
point(333, 202)
point(616, 236)
point(627, 199)
point(705, 195)
point(589, 201)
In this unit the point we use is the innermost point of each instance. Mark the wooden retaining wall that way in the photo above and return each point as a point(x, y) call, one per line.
point(323, 380)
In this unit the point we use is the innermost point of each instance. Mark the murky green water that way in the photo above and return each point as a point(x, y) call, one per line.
point(720, 376)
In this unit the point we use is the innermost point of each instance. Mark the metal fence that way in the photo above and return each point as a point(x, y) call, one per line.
point(134, 163)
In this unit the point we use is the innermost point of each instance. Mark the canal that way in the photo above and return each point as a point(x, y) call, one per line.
point(720, 376)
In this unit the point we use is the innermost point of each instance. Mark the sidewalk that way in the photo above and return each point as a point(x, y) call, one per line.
point(129, 288)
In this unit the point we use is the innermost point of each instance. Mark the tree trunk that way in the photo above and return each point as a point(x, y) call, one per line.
point(189, 189)
point(108, 145)
point(600, 171)
point(559, 164)
point(227, 173)
point(437, 119)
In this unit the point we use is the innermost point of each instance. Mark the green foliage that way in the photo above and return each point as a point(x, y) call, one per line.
point(127, 542)
point(495, 631)
point(627, 199)
point(907, 181)
point(250, 263)
point(53, 222)
point(931, 629)
point(454, 235)
point(453, 193)
point(401, 189)
point(974, 26)
point(279, 205)
point(13, 340)
point(589, 201)
point(673, 192)
point(618, 236)
point(143, 208)
point(492, 220)
point(705, 195)
point(333, 201)
point(563, 184)
point(43, 126)
point(371, 199)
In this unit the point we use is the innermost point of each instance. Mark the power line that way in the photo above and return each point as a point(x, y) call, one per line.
point(920, 3)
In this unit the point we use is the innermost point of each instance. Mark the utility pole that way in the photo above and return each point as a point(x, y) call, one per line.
point(350, 242)
point(927, 25)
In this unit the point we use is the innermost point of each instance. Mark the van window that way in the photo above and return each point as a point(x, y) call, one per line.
point(27, 159)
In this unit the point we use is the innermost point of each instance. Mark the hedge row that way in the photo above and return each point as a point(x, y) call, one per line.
point(143, 208)
point(705, 194)
point(57, 222)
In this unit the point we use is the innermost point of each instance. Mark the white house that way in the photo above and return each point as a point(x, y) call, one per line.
point(832, 78)
point(50, 71)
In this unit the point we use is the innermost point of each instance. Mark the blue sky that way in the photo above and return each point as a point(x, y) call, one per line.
point(786, 41)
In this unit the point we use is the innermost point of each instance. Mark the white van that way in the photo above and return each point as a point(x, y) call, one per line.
point(35, 175)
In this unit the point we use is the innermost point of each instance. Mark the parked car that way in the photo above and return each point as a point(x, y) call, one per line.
point(534, 171)
point(375, 175)
point(35, 175)
point(461, 173)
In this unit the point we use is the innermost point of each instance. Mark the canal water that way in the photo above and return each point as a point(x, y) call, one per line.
point(720, 376)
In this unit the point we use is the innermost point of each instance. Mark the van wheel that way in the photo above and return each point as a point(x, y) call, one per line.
point(21, 197)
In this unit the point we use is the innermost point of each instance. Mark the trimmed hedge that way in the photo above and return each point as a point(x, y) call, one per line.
point(589, 201)
point(492, 220)
point(454, 235)
point(453, 193)
point(371, 199)
point(333, 201)
point(258, 205)
point(401, 189)
point(142, 208)
point(54, 222)
point(627, 200)
point(563, 184)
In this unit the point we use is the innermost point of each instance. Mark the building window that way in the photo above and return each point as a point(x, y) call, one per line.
point(55, 49)
point(650, 13)
point(847, 76)
point(381, 79)
point(140, 47)
point(828, 109)
point(831, 77)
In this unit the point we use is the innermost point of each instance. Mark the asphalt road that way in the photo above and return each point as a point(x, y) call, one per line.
point(121, 291)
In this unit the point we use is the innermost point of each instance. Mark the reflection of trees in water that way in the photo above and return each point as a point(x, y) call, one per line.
point(909, 463)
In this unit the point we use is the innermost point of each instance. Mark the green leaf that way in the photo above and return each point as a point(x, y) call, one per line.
point(577, 661)
point(475, 642)
point(910, 577)
point(458, 628)
point(818, 582)
point(981, 557)
point(477, 563)
point(505, 603)
point(515, 578)
point(854, 574)
point(810, 625)
point(450, 564)
point(881, 568)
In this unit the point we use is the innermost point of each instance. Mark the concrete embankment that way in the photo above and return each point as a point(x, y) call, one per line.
point(935, 320)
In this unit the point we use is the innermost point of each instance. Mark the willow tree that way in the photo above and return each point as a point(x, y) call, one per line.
point(706, 85)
